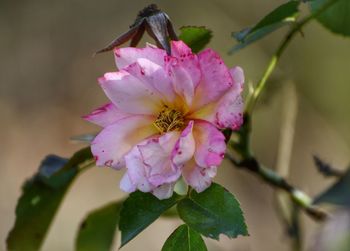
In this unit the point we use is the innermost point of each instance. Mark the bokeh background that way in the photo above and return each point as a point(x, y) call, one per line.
point(48, 80)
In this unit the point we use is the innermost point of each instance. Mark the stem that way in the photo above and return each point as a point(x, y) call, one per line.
point(299, 197)
point(250, 163)
point(275, 58)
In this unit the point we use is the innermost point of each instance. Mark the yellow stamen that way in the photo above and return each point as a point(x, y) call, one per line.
point(169, 119)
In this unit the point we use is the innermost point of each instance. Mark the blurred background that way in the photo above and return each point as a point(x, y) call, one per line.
point(48, 81)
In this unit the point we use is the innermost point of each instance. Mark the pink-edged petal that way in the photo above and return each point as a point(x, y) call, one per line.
point(137, 170)
point(130, 94)
point(198, 177)
point(156, 155)
point(184, 147)
point(129, 55)
point(105, 115)
point(180, 50)
point(216, 78)
point(126, 185)
point(238, 77)
point(210, 144)
point(229, 113)
point(164, 191)
point(115, 140)
point(225, 113)
point(184, 70)
point(154, 76)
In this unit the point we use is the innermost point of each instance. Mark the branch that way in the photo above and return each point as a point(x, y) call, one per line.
point(299, 197)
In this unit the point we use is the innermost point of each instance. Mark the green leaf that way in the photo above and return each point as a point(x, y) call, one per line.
point(139, 211)
point(213, 212)
point(96, 233)
point(195, 37)
point(184, 239)
point(40, 199)
point(336, 18)
point(338, 194)
point(282, 15)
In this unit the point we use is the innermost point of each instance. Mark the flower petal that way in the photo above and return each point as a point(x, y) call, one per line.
point(238, 77)
point(136, 170)
point(210, 144)
point(164, 191)
point(153, 76)
point(130, 94)
point(126, 185)
point(105, 115)
point(198, 177)
point(129, 55)
point(179, 49)
point(227, 112)
point(156, 155)
point(183, 68)
point(184, 147)
point(216, 78)
point(149, 168)
point(115, 140)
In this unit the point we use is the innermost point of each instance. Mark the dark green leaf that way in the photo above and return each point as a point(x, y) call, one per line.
point(282, 15)
point(336, 18)
point(213, 212)
point(139, 211)
point(40, 199)
point(338, 194)
point(195, 37)
point(97, 231)
point(184, 239)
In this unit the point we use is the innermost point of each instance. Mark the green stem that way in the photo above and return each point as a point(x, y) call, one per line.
point(275, 58)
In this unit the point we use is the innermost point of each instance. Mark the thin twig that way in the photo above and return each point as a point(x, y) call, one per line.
point(299, 197)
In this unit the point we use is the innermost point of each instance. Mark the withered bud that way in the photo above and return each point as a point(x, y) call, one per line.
point(151, 19)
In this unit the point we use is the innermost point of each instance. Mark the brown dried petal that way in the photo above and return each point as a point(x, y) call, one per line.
point(120, 40)
point(157, 25)
point(137, 37)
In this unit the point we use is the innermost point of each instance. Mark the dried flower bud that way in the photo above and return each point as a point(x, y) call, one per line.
point(155, 22)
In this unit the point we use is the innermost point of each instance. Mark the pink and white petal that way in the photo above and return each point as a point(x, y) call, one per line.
point(129, 55)
point(229, 113)
point(184, 147)
point(210, 144)
point(106, 115)
point(185, 76)
point(198, 177)
point(184, 70)
point(126, 185)
point(130, 94)
point(182, 82)
point(180, 49)
point(115, 140)
point(238, 77)
point(216, 78)
point(153, 76)
point(164, 191)
point(136, 169)
point(156, 155)
point(225, 113)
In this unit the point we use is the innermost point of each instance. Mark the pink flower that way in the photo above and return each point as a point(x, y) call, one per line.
point(165, 117)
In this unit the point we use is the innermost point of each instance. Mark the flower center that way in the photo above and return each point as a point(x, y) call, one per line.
point(169, 119)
